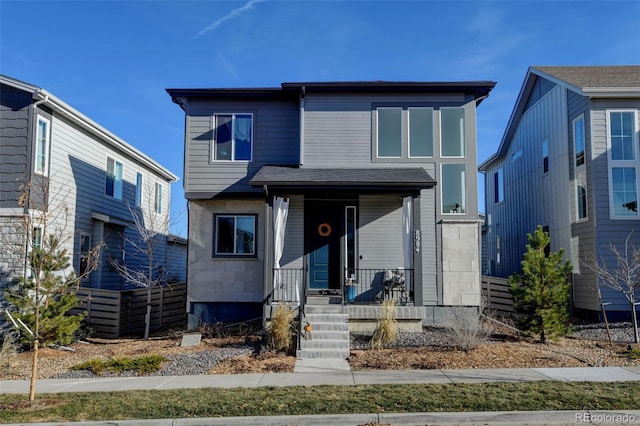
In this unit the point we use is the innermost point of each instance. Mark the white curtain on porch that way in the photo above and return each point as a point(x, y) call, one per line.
point(407, 238)
point(280, 213)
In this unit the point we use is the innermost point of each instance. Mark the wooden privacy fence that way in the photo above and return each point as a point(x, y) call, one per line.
point(496, 292)
point(112, 313)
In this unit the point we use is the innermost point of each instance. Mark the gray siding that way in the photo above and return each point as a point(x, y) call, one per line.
point(380, 232)
point(429, 246)
point(541, 87)
point(275, 142)
point(608, 231)
point(531, 198)
point(293, 254)
point(15, 116)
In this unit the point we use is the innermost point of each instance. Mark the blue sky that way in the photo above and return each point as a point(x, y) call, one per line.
point(112, 60)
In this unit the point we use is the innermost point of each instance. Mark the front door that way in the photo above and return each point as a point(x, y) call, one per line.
point(323, 231)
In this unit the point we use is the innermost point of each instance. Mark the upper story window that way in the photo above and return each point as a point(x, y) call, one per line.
point(545, 156)
point(138, 189)
point(113, 185)
point(498, 186)
point(43, 132)
point(403, 132)
point(578, 140)
point(232, 137)
point(623, 163)
point(158, 198)
point(452, 132)
point(454, 184)
point(235, 235)
point(516, 155)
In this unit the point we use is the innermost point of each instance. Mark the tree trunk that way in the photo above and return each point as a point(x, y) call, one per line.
point(34, 371)
point(147, 317)
point(634, 319)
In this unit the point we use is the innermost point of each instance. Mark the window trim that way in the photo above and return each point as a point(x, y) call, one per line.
point(234, 255)
point(403, 135)
point(212, 155)
point(47, 146)
point(115, 179)
point(158, 198)
point(545, 156)
point(614, 164)
point(583, 177)
point(354, 208)
point(464, 133)
point(574, 122)
point(433, 115)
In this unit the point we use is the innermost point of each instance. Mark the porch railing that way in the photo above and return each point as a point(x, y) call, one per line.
point(377, 285)
point(289, 285)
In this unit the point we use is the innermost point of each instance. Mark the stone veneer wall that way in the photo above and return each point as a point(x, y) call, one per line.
point(11, 253)
point(460, 263)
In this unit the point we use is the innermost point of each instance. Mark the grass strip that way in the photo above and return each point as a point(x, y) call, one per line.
point(302, 400)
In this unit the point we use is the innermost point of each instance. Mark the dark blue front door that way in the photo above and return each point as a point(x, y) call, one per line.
point(323, 244)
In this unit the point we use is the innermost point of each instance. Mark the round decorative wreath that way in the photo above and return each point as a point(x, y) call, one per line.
point(324, 229)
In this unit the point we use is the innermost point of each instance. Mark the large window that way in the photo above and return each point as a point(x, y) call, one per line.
point(41, 161)
point(138, 189)
point(623, 163)
point(580, 168)
point(235, 235)
point(452, 132)
point(420, 132)
point(581, 195)
point(454, 188)
point(113, 186)
point(233, 137)
point(404, 132)
point(498, 186)
point(389, 132)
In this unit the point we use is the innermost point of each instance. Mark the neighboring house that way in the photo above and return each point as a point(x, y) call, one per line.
point(352, 191)
point(95, 183)
point(569, 161)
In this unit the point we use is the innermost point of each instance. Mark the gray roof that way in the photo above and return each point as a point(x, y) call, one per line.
point(360, 177)
point(585, 77)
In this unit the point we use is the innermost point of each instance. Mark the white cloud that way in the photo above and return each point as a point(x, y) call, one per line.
point(234, 13)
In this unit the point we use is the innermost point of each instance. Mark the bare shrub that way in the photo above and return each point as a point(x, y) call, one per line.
point(466, 328)
point(386, 331)
point(8, 351)
point(282, 328)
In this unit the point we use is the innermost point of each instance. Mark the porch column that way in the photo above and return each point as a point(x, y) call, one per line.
point(417, 254)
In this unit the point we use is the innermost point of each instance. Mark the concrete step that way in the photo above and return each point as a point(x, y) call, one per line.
point(322, 353)
point(324, 344)
point(324, 300)
point(328, 326)
point(330, 334)
point(323, 309)
point(317, 318)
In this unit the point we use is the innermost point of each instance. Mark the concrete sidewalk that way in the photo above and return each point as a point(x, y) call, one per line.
point(328, 376)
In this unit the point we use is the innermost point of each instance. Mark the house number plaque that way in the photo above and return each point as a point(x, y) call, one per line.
point(417, 240)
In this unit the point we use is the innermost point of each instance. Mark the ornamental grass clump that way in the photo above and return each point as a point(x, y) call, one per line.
point(386, 331)
point(282, 329)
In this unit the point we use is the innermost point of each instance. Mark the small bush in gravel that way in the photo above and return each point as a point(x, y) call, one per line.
point(386, 331)
point(143, 365)
point(466, 328)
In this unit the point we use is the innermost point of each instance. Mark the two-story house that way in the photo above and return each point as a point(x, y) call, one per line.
point(352, 191)
point(569, 161)
point(90, 181)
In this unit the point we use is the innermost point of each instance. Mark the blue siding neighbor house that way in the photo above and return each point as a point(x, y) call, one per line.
point(351, 192)
point(569, 161)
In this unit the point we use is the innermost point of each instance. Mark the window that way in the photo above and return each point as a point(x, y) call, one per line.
point(452, 132)
point(581, 195)
point(545, 156)
point(138, 189)
point(453, 188)
point(516, 155)
point(113, 187)
point(85, 247)
point(233, 137)
point(420, 132)
point(498, 186)
point(498, 249)
point(350, 242)
point(42, 146)
point(158, 198)
point(578, 140)
point(623, 163)
point(389, 132)
point(235, 235)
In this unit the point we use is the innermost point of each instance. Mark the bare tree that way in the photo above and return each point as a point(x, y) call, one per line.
point(146, 264)
point(43, 295)
point(624, 278)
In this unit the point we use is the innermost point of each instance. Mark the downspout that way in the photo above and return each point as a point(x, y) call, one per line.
point(268, 264)
point(302, 93)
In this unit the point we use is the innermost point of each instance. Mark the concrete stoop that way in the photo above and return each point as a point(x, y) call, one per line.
point(330, 334)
